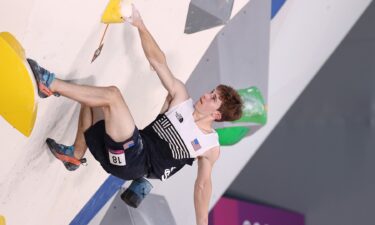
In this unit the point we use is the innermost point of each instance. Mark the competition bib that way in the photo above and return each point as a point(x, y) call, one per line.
point(117, 157)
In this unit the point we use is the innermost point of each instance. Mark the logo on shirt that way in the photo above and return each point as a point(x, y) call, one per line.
point(195, 144)
point(167, 173)
point(179, 117)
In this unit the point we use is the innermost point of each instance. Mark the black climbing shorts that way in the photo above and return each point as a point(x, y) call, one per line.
point(126, 160)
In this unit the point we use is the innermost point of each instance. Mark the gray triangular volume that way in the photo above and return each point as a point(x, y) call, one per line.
point(219, 8)
point(198, 19)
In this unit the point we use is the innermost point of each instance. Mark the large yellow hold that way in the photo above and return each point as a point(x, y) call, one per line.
point(112, 14)
point(2, 220)
point(17, 87)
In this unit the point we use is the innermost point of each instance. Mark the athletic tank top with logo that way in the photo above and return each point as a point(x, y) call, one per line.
point(178, 128)
point(173, 140)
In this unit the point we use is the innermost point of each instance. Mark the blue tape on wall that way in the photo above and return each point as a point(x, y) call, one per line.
point(276, 6)
point(110, 186)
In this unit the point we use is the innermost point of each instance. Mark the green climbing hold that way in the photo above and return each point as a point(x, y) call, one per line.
point(254, 110)
point(231, 135)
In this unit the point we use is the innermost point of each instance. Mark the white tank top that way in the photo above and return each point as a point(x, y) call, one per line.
point(184, 137)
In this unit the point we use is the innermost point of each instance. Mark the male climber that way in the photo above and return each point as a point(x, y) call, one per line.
point(181, 133)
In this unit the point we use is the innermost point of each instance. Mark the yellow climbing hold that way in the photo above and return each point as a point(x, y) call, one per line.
point(2, 220)
point(112, 13)
point(17, 87)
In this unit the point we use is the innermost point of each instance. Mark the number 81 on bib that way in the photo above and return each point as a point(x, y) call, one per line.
point(117, 157)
